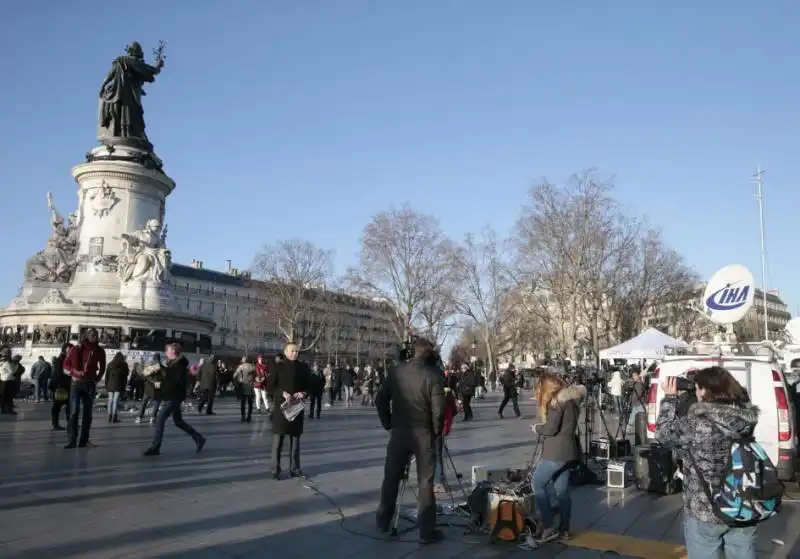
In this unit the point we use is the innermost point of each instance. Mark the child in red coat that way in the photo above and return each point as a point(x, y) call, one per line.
point(450, 412)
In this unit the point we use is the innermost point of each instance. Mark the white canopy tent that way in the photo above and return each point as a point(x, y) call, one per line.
point(647, 345)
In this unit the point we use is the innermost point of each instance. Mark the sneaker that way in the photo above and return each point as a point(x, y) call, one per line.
point(564, 535)
point(152, 452)
point(548, 535)
point(138, 420)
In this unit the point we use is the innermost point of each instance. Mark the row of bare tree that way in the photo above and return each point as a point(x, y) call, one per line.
point(576, 266)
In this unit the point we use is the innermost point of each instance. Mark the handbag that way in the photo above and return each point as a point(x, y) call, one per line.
point(62, 395)
point(292, 410)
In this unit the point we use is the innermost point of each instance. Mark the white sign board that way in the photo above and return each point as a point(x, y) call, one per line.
point(729, 294)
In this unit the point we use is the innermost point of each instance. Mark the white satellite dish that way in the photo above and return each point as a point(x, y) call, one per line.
point(792, 330)
point(729, 294)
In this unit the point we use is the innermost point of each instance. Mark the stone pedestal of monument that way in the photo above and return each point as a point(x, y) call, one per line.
point(147, 296)
point(39, 292)
point(121, 187)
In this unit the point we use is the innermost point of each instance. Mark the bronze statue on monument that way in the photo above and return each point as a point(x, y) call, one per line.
point(121, 115)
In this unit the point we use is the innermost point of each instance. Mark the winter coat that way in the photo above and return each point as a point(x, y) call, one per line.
point(86, 362)
point(58, 378)
point(40, 370)
point(509, 381)
point(328, 374)
point(176, 379)
point(316, 383)
point(117, 375)
point(412, 398)
point(468, 383)
point(615, 384)
point(710, 447)
point(292, 377)
point(261, 376)
point(245, 378)
point(559, 432)
point(208, 376)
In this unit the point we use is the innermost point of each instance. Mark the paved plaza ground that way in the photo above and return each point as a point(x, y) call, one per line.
point(111, 502)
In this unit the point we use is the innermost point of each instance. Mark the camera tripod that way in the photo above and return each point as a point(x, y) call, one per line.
point(445, 460)
point(584, 472)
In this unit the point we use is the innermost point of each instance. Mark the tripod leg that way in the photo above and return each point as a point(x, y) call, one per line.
point(396, 518)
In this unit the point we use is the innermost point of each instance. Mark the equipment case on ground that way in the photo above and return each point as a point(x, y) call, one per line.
point(655, 470)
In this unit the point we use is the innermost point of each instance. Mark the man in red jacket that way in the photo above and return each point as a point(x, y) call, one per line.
point(86, 364)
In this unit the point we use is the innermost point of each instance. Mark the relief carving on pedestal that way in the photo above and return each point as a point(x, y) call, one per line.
point(103, 200)
point(53, 297)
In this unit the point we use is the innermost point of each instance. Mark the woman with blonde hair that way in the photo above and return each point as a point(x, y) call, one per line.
point(559, 409)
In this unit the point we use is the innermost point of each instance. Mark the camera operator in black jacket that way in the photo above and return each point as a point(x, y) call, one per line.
point(411, 405)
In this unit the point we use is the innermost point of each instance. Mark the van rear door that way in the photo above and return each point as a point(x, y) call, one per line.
point(756, 378)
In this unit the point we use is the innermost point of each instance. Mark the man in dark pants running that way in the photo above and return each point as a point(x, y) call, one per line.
point(411, 405)
point(509, 391)
point(173, 393)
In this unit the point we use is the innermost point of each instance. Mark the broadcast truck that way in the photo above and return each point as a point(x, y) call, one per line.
point(727, 298)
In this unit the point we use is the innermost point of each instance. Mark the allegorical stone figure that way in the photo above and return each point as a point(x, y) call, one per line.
point(144, 255)
point(120, 108)
point(57, 261)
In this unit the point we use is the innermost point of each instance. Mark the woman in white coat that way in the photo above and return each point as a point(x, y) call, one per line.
point(615, 390)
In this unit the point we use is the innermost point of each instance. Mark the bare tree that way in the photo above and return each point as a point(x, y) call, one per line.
point(655, 277)
point(599, 269)
point(485, 282)
point(250, 329)
point(400, 262)
point(295, 276)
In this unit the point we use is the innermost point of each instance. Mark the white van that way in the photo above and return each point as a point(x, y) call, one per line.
point(764, 382)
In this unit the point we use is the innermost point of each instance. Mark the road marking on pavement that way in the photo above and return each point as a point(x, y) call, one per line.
point(627, 546)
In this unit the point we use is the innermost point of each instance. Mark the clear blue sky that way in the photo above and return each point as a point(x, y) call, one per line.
point(304, 118)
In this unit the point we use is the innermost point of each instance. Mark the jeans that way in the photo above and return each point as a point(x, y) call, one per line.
point(557, 473)
point(113, 405)
point(167, 410)
point(43, 392)
point(706, 540)
point(81, 397)
point(147, 400)
point(261, 396)
point(331, 395)
point(348, 395)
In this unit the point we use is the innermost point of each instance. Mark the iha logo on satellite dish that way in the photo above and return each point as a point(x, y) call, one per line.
point(729, 294)
point(728, 298)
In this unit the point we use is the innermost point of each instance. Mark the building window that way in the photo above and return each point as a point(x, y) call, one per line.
point(199, 306)
point(187, 303)
point(212, 307)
